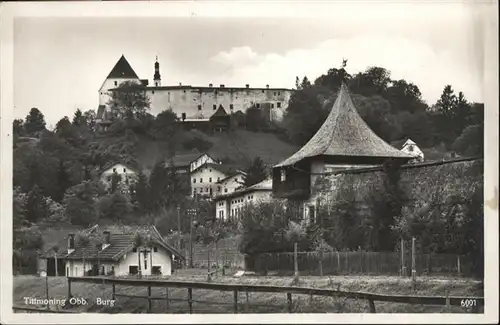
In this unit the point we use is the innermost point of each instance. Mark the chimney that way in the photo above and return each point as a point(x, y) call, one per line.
point(210, 85)
point(222, 86)
point(107, 237)
point(180, 83)
point(71, 243)
point(247, 85)
point(267, 86)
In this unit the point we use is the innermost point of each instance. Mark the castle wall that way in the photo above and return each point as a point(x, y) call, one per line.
point(454, 180)
point(203, 102)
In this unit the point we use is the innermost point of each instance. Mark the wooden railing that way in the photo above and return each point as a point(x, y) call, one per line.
point(473, 302)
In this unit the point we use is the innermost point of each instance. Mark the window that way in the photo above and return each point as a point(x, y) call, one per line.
point(218, 179)
point(116, 83)
point(218, 188)
point(279, 93)
point(114, 170)
point(134, 250)
point(215, 107)
point(231, 106)
point(274, 93)
point(210, 179)
point(199, 107)
point(206, 190)
point(194, 180)
point(272, 105)
point(283, 175)
point(153, 91)
point(257, 105)
point(201, 180)
point(109, 178)
point(410, 148)
point(124, 170)
point(156, 270)
point(133, 269)
point(183, 116)
point(155, 249)
point(262, 90)
point(225, 190)
point(278, 104)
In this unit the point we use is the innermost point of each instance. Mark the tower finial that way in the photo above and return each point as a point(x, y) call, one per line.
point(156, 58)
point(157, 77)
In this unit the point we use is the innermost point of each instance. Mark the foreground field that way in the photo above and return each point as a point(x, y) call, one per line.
point(30, 286)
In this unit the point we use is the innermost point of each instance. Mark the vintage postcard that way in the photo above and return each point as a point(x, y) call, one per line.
point(253, 162)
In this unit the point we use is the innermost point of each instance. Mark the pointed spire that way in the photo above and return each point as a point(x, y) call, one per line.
point(344, 134)
point(122, 69)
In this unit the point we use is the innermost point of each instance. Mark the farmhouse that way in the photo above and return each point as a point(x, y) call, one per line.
point(344, 141)
point(412, 149)
point(126, 173)
point(188, 162)
point(211, 179)
point(192, 103)
point(111, 252)
point(229, 205)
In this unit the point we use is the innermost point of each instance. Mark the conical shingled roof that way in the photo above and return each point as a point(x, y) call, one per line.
point(344, 133)
point(122, 69)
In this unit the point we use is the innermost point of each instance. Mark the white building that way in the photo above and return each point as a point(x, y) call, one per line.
point(211, 179)
point(194, 102)
point(115, 255)
point(127, 173)
point(229, 205)
point(412, 149)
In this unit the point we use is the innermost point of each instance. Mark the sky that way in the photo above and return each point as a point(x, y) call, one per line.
point(60, 63)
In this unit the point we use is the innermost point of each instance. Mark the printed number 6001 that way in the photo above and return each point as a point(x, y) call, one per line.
point(466, 303)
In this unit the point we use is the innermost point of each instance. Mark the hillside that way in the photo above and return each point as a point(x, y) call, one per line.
point(238, 146)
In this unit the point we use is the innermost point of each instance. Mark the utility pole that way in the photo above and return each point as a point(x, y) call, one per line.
point(191, 212)
point(179, 228)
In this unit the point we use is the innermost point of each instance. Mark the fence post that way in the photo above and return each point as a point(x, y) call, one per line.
point(338, 262)
point(448, 305)
point(166, 298)
point(149, 299)
point(47, 289)
point(403, 268)
point(413, 265)
point(321, 262)
point(190, 301)
point(458, 264)
point(208, 265)
point(235, 301)
point(371, 303)
point(360, 260)
point(247, 302)
point(113, 294)
point(290, 303)
point(296, 262)
point(69, 288)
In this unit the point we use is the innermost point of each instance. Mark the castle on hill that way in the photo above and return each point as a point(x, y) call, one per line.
point(194, 103)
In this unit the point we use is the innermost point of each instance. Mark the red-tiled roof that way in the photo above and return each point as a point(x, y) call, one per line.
point(344, 133)
point(122, 69)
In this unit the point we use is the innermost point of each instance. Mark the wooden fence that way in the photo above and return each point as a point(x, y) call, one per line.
point(238, 289)
point(370, 263)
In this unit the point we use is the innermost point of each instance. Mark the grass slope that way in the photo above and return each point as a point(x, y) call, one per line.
point(29, 286)
point(240, 146)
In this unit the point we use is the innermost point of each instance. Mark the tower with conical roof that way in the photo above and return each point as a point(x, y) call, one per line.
point(344, 141)
point(157, 77)
point(121, 72)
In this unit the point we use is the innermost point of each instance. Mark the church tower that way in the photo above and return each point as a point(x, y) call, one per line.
point(157, 77)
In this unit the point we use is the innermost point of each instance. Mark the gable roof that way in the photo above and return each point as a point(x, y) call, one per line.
point(185, 159)
point(265, 185)
point(344, 133)
point(220, 112)
point(110, 164)
point(409, 142)
point(122, 69)
point(227, 170)
point(121, 242)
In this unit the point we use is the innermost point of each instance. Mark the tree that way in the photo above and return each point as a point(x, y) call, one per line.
point(90, 119)
point(80, 201)
point(333, 79)
point(19, 207)
point(35, 205)
point(374, 81)
point(116, 179)
point(35, 122)
point(79, 119)
point(18, 127)
point(114, 207)
point(140, 194)
point(255, 173)
point(129, 101)
point(255, 120)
